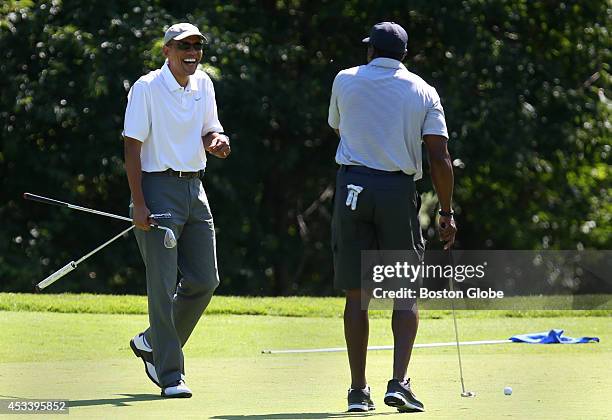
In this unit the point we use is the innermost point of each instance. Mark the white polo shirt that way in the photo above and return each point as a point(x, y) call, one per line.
point(383, 111)
point(170, 120)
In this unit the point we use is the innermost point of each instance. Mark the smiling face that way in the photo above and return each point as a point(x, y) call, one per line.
point(183, 62)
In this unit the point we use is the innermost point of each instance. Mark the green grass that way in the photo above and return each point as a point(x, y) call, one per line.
point(85, 358)
point(280, 306)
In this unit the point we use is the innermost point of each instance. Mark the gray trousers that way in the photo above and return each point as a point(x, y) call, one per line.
point(181, 280)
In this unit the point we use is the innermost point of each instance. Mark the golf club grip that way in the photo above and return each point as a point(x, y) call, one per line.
point(45, 200)
point(56, 276)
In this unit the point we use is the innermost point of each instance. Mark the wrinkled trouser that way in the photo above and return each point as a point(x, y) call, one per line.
point(175, 308)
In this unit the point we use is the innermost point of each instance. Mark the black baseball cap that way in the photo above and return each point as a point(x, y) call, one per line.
point(388, 36)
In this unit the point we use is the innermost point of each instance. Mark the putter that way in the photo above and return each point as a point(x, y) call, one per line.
point(169, 237)
point(464, 393)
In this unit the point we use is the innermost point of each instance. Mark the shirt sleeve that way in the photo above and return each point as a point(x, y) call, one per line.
point(211, 117)
point(137, 123)
point(333, 118)
point(434, 122)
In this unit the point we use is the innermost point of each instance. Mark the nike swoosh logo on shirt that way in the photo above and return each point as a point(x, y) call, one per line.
point(197, 99)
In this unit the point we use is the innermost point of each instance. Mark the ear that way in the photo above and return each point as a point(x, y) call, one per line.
point(370, 53)
point(166, 50)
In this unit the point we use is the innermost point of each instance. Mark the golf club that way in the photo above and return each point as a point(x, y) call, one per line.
point(464, 393)
point(169, 237)
point(73, 264)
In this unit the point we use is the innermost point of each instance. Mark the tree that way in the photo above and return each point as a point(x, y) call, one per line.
point(523, 85)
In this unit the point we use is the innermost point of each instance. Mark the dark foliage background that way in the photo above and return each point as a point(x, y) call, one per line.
point(525, 86)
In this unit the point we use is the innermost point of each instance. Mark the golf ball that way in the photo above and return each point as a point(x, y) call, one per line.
point(507, 390)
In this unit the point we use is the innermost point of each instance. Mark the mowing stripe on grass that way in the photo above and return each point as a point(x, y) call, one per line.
point(312, 307)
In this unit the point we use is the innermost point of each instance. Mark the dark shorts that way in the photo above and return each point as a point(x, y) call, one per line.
point(386, 218)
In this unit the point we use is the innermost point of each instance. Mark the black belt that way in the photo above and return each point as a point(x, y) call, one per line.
point(181, 174)
point(365, 170)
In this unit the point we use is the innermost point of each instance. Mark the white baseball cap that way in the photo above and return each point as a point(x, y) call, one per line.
point(180, 31)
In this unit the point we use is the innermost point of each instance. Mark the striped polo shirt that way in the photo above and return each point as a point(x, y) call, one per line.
point(382, 111)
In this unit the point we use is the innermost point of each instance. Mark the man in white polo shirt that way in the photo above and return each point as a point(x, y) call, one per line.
point(382, 113)
point(170, 123)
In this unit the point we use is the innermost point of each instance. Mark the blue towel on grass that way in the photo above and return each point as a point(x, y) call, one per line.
point(551, 337)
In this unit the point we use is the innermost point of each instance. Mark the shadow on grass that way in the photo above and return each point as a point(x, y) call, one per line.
point(121, 401)
point(289, 416)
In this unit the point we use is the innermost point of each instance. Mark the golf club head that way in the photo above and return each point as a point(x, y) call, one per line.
point(468, 394)
point(169, 238)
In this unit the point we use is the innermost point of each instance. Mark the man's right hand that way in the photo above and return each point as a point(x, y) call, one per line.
point(140, 216)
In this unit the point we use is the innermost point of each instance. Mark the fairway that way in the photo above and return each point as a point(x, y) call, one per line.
point(85, 358)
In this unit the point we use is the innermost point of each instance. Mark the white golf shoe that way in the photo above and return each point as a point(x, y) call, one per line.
point(177, 390)
point(142, 350)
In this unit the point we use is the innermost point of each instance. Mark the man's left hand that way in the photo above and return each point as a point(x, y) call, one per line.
point(217, 145)
point(447, 230)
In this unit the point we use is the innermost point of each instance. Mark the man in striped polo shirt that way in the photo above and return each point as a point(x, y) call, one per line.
point(382, 113)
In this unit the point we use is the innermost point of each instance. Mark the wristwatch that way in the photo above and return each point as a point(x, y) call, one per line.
point(446, 213)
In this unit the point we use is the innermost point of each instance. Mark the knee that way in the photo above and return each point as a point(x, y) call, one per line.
point(356, 297)
point(198, 287)
point(407, 314)
point(353, 295)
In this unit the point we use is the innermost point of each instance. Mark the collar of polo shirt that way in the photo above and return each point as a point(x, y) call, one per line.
point(389, 63)
point(171, 82)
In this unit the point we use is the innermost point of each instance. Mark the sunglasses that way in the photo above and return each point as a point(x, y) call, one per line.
point(186, 46)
